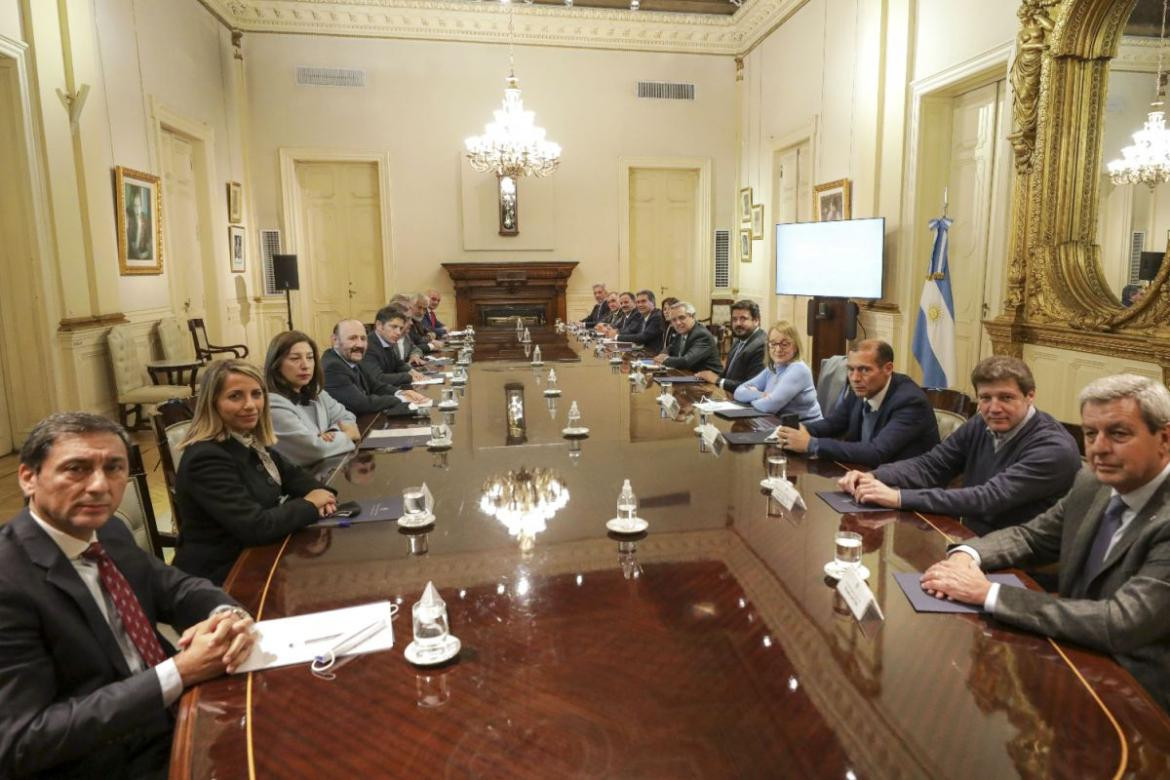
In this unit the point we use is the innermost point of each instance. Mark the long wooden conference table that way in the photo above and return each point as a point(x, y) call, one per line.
point(712, 645)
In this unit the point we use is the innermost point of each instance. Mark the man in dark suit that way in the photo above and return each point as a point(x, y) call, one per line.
point(887, 417)
point(386, 350)
point(86, 681)
point(647, 330)
point(431, 315)
point(746, 358)
point(600, 310)
point(353, 383)
point(1110, 534)
point(626, 311)
point(695, 348)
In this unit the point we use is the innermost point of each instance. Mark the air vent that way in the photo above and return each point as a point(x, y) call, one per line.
point(663, 90)
point(722, 259)
point(1137, 242)
point(269, 246)
point(330, 77)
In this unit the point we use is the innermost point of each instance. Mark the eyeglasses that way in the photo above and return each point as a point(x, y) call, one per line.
point(780, 344)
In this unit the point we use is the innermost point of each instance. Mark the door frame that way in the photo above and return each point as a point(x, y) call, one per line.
point(704, 236)
point(201, 136)
point(292, 226)
point(799, 136)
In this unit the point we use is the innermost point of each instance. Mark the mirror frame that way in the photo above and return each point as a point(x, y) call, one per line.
point(1055, 293)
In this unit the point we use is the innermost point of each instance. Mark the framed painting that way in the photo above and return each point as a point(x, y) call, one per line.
point(758, 221)
point(745, 245)
point(138, 206)
point(236, 248)
point(745, 206)
point(833, 200)
point(235, 202)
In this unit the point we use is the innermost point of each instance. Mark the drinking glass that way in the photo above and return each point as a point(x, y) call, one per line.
point(430, 626)
point(848, 552)
point(447, 395)
point(414, 502)
point(777, 467)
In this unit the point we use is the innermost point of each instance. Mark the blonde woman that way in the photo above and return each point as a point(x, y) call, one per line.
point(785, 386)
point(233, 490)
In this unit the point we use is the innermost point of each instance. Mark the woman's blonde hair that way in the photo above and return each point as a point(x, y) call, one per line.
point(207, 425)
point(787, 330)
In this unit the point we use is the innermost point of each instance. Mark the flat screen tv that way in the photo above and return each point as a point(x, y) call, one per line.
point(841, 259)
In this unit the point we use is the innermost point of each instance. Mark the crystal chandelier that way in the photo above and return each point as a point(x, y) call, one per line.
point(1147, 160)
point(512, 144)
point(524, 501)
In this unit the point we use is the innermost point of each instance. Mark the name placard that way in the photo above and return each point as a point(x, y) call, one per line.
point(859, 597)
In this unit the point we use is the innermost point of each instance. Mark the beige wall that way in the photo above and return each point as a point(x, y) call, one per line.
point(423, 98)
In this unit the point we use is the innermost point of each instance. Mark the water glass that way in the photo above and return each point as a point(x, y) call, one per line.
point(777, 467)
point(447, 395)
point(414, 502)
point(430, 626)
point(848, 552)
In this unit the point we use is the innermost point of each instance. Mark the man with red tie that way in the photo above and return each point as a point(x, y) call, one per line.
point(86, 681)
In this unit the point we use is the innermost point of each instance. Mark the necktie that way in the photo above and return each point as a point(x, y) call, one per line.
point(868, 421)
point(134, 620)
point(1110, 522)
point(361, 378)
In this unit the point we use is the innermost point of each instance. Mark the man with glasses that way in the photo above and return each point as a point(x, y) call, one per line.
point(746, 358)
point(887, 417)
point(695, 348)
point(1014, 460)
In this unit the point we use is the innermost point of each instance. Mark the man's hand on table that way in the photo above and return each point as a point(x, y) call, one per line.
point(214, 646)
point(710, 377)
point(867, 489)
point(795, 439)
point(957, 578)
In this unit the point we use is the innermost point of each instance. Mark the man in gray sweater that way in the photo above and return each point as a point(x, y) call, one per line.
point(1014, 460)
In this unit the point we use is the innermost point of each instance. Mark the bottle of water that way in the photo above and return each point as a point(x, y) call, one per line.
point(627, 504)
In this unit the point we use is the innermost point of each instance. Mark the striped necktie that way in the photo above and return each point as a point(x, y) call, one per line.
point(134, 620)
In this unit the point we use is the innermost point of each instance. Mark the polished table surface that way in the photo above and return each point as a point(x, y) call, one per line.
point(710, 646)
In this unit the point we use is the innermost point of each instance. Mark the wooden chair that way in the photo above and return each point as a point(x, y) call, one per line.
point(137, 510)
point(171, 422)
point(131, 389)
point(719, 323)
point(205, 350)
point(950, 400)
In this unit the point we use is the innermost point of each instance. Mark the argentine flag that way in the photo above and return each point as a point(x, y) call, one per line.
point(934, 334)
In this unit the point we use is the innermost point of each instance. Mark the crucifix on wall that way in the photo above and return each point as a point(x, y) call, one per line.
point(509, 226)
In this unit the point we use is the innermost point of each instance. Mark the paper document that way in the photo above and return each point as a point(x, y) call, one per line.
point(297, 640)
point(717, 406)
point(399, 433)
point(432, 380)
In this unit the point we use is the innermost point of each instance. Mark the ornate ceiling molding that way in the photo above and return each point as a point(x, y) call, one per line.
point(487, 22)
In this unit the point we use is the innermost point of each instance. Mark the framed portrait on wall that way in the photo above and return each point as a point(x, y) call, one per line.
point(236, 248)
point(833, 200)
point(758, 221)
point(745, 206)
point(235, 202)
point(745, 245)
point(138, 203)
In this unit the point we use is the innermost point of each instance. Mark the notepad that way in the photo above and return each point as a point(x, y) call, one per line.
point(747, 437)
point(433, 380)
point(396, 437)
point(911, 585)
point(374, 510)
point(287, 641)
point(737, 412)
point(843, 502)
point(677, 380)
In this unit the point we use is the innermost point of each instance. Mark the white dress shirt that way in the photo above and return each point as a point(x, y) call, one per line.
point(72, 548)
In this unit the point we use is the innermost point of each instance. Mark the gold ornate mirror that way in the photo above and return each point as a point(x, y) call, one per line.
point(1057, 291)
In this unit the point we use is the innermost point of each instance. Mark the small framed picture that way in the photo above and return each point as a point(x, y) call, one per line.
point(138, 202)
point(758, 221)
point(745, 245)
point(236, 248)
point(833, 200)
point(745, 206)
point(235, 202)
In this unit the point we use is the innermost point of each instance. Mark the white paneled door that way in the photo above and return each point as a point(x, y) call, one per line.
point(341, 248)
point(184, 254)
point(792, 191)
point(663, 219)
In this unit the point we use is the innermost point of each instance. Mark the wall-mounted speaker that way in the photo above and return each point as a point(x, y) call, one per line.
point(284, 272)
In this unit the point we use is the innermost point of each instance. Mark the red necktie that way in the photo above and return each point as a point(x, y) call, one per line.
point(134, 620)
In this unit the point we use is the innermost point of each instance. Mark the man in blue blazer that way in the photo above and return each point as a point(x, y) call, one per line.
point(746, 358)
point(887, 417)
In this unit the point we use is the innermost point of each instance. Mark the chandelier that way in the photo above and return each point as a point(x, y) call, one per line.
point(1147, 160)
point(512, 144)
point(524, 501)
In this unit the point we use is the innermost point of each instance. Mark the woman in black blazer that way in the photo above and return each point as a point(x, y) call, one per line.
point(233, 490)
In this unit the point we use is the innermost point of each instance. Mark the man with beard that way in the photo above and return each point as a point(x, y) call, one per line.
point(746, 358)
point(354, 383)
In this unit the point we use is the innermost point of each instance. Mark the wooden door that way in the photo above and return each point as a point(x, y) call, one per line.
point(663, 220)
point(792, 192)
point(181, 231)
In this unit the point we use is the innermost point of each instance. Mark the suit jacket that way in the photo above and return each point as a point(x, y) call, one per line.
point(385, 362)
point(745, 362)
point(431, 322)
point(361, 391)
point(905, 427)
point(594, 317)
point(1123, 610)
point(228, 502)
point(650, 330)
point(71, 707)
point(418, 338)
point(631, 326)
point(695, 352)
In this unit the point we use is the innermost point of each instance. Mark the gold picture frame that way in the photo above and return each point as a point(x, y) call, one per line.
point(833, 200)
point(235, 193)
point(745, 206)
point(745, 245)
point(758, 221)
point(139, 216)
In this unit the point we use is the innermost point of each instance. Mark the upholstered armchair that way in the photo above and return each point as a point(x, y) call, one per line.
point(131, 388)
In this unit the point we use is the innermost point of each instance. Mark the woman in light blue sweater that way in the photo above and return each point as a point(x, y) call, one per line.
point(785, 386)
point(309, 424)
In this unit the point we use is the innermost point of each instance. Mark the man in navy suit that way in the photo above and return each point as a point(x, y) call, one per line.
point(746, 358)
point(600, 310)
point(647, 332)
point(86, 681)
point(887, 417)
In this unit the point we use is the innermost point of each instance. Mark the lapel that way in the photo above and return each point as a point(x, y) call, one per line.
point(59, 573)
point(1151, 512)
point(1083, 540)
